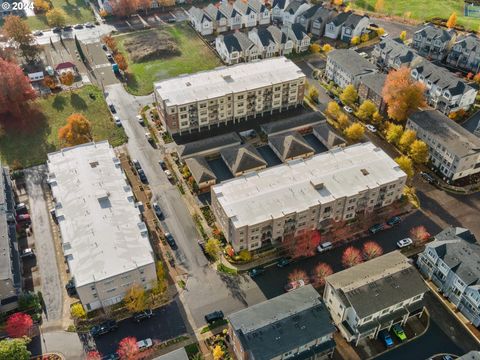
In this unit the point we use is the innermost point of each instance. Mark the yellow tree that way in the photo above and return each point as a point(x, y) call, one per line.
point(355, 40)
point(333, 109)
point(393, 132)
point(405, 164)
point(78, 130)
point(452, 20)
point(56, 17)
point(135, 299)
point(327, 48)
point(218, 353)
point(67, 78)
point(342, 120)
point(349, 95)
point(338, 2)
point(364, 37)
point(315, 48)
point(403, 35)
point(407, 138)
point(366, 110)
point(41, 6)
point(419, 152)
point(377, 118)
point(379, 5)
point(355, 132)
point(313, 93)
point(213, 248)
point(77, 311)
point(380, 31)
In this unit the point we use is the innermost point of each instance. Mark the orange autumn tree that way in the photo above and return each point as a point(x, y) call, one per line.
point(67, 78)
point(121, 62)
point(402, 94)
point(78, 130)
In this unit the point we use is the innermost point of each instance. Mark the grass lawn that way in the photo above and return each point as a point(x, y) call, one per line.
point(78, 12)
point(30, 144)
point(195, 56)
point(422, 9)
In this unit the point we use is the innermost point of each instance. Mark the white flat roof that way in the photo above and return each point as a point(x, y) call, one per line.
point(102, 232)
point(296, 185)
point(186, 89)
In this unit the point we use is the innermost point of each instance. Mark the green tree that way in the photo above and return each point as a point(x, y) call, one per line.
point(393, 132)
point(245, 255)
point(355, 132)
point(135, 299)
point(407, 138)
point(366, 110)
point(333, 109)
point(77, 311)
point(349, 95)
point(419, 152)
point(213, 248)
point(405, 164)
point(14, 349)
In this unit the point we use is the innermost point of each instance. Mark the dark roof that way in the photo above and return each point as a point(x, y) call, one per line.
point(293, 123)
point(65, 65)
point(341, 18)
point(294, 5)
point(290, 145)
point(299, 31)
point(278, 35)
point(433, 33)
point(242, 158)
point(452, 135)
point(311, 12)
point(353, 20)
point(213, 12)
point(281, 324)
point(279, 3)
point(351, 62)
point(265, 36)
point(209, 145)
point(328, 136)
point(458, 249)
point(257, 5)
point(200, 169)
point(374, 82)
point(470, 43)
point(396, 49)
point(228, 10)
point(237, 41)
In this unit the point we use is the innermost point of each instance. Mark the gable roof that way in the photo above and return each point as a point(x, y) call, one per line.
point(265, 36)
point(279, 3)
point(374, 82)
point(329, 136)
point(243, 7)
point(290, 145)
point(257, 6)
point(242, 158)
point(277, 35)
point(199, 14)
point(353, 20)
point(341, 18)
point(298, 31)
point(396, 49)
point(351, 62)
point(293, 6)
point(200, 169)
point(471, 43)
point(433, 33)
point(228, 10)
point(237, 41)
point(213, 12)
point(208, 145)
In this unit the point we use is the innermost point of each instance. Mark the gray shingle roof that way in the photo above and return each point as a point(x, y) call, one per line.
point(242, 158)
point(469, 43)
point(311, 12)
point(374, 82)
point(278, 36)
point(341, 18)
point(298, 31)
point(352, 62)
point(396, 49)
point(292, 123)
point(353, 20)
point(228, 10)
point(290, 145)
point(293, 6)
point(199, 14)
point(453, 136)
point(213, 12)
point(281, 324)
point(200, 169)
point(325, 133)
point(237, 42)
point(279, 3)
point(433, 33)
point(265, 36)
point(208, 145)
point(257, 5)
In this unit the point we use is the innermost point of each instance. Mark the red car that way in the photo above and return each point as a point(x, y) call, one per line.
point(23, 217)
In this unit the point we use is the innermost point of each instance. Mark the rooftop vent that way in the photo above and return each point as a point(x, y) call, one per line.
point(364, 172)
point(188, 84)
point(94, 164)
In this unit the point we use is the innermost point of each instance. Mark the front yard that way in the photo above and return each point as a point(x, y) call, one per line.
point(28, 145)
point(194, 56)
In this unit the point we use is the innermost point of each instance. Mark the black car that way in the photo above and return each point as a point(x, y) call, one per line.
point(142, 176)
point(338, 101)
point(171, 241)
point(70, 287)
point(143, 315)
point(394, 221)
point(158, 211)
point(284, 262)
point(163, 165)
point(67, 28)
point(78, 26)
point(112, 109)
point(214, 316)
point(56, 30)
point(427, 177)
point(104, 47)
point(256, 272)
point(104, 328)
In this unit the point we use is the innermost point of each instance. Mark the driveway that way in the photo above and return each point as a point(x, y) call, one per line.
point(51, 285)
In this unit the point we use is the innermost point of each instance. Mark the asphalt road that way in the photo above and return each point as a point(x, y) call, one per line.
point(394, 28)
point(472, 122)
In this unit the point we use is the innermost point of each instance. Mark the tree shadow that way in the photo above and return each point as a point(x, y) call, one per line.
point(364, 5)
point(233, 285)
point(132, 81)
point(77, 101)
point(59, 102)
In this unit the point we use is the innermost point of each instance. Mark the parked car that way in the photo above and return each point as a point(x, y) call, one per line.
point(112, 356)
point(395, 220)
point(104, 328)
point(398, 331)
point(348, 109)
point(283, 262)
point(171, 241)
point(256, 272)
point(140, 120)
point(384, 335)
point(169, 174)
point(162, 164)
point(56, 30)
point(109, 56)
point(21, 208)
point(404, 243)
point(117, 121)
point(294, 285)
point(70, 287)
point(143, 315)
point(171, 20)
point(89, 25)
point(338, 101)
point(371, 128)
point(78, 26)
point(384, 36)
point(136, 164)
point(427, 177)
point(142, 176)
point(214, 316)
point(112, 108)
point(38, 33)
point(149, 138)
point(23, 218)
point(28, 252)
point(324, 247)
point(67, 28)
point(144, 344)
point(376, 228)
point(158, 211)
point(104, 47)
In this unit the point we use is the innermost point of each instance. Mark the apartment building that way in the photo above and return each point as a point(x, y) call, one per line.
point(295, 325)
point(392, 54)
point(443, 90)
point(262, 208)
point(454, 151)
point(374, 295)
point(104, 240)
point(229, 94)
point(10, 280)
point(345, 67)
point(465, 54)
point(452, 261)
point(433, 42)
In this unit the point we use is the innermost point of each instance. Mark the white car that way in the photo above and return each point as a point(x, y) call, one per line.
point(169, 174)
point(384, 36)
point(348, 109)
point(372, 128)
point(140, 120)
point(404, 243)
point(27, 253)
point(117, 121)
point(324, 247)
point(144, 344)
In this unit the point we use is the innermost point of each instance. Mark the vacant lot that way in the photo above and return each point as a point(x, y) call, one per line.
point(29, 144)
point(422, 9)
point(193, 56)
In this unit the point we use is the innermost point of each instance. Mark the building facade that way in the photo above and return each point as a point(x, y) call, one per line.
point(370, 88)
point(392, 54)
point(374, 295)
point(345, 67)
point(465, 54)
point(433, 42)
point(200, 20)
point(228, 95)
point(295, 325)
point(104, 240)
point(454, 151)
point(235, 48)
point(451, 262)
point(255, 210)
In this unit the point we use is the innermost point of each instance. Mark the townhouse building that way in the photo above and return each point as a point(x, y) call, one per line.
point(346, 25)
point(345, 67)
point(433, 42)
point(229, 94)
point(256, 210)
point(249, 15)
point(278, 8)
point(201, 21)
point(454, 151)
point(236, 47)
point(392, 54)
point(219, 19)
point(264, 16)
point(242, 159)
point(234, 18)
point(371, 87)
point(444, 90)
point(451, 262)
point(299, 37)
point(293, 10)
point(465, 54)
point(104, 240)
point(270, 42)
point(314, 20)
point(374, 295)
point(295, 325)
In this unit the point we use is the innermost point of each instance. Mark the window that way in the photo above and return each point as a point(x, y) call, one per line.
point(111, 290)
point(183, 108)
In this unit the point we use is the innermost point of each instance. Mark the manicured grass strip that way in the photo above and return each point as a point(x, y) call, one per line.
point(226, 269)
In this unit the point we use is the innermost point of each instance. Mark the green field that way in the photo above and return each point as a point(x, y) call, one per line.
point(195, 56)
point(78, 12)
point(29, 145)
point(422, 9)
